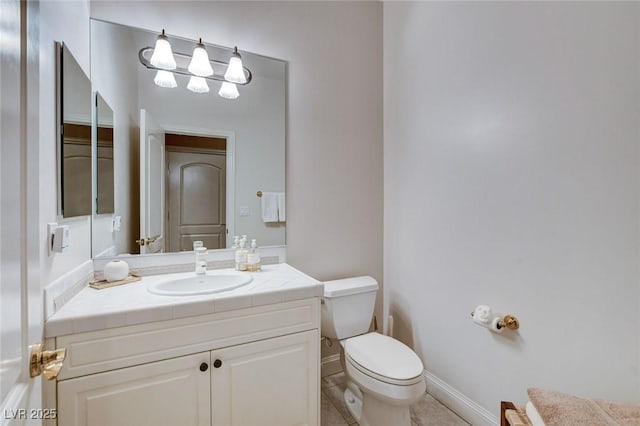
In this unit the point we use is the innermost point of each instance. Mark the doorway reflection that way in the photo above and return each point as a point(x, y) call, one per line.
point(196, 191)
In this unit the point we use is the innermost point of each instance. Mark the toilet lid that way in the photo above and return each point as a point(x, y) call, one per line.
point(383, 355)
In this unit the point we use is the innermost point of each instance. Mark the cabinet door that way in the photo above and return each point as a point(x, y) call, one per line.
point(171, 392)
point(272, 382)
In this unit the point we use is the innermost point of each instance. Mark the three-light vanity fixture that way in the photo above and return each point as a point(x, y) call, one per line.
point(198, 67)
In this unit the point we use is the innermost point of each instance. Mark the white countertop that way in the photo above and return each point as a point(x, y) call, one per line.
point(131, 304)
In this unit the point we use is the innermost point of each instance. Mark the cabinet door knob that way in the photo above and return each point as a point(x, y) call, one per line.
point(217, 363)
point(204, 366)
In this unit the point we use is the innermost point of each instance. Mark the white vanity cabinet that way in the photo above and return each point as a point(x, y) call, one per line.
point(171, 392)
point(253, 366)
point(270, 382)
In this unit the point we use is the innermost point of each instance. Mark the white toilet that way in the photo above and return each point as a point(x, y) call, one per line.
point(384, 375)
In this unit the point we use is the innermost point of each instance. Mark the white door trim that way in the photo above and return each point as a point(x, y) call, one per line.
point(147, 122)
point(24, 170)
point(230, 136)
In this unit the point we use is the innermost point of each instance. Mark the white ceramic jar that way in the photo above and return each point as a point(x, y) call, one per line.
point(116, 270)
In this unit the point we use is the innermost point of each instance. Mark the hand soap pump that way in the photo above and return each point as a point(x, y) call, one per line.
point(253, 258)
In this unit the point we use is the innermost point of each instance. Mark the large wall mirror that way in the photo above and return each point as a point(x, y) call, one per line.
point(187, 166)
point(74, 123)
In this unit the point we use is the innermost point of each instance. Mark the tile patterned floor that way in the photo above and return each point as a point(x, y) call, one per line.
point(426, 412)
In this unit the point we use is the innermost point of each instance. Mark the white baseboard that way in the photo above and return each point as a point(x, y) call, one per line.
point(330, 365)
point(463, 406)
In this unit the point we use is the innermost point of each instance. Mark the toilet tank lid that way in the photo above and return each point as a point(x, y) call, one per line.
point(349, 286)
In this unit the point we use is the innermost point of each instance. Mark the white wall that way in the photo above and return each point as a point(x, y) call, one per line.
point(334, 116)
point(112, 49)
point(512, 178)
point(66, 21)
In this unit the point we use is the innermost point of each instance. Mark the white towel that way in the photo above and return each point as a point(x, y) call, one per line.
point(533, 414)
point(270, 206)
point(282, 217)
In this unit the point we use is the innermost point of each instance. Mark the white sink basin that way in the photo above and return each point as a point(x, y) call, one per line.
point(201, 284)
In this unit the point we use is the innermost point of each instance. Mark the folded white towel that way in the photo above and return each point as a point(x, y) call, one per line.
point(270, 206)
point(282, 217)
point(533, 414)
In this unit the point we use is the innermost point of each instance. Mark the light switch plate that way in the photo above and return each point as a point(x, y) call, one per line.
point(116, 223)
point(60, 239)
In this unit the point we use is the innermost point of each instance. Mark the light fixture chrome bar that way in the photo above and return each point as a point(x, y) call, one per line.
point(182, 61)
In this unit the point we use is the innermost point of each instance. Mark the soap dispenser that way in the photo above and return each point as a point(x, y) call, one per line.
point(253, 258)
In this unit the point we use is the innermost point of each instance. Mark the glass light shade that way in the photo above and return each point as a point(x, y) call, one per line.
point(200, 64)
point(165, 79)
point(235, 70)
point(198, 85)
point(162, 54)
point(228, 90)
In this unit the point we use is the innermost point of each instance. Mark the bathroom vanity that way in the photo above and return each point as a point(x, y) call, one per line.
point(249, 356)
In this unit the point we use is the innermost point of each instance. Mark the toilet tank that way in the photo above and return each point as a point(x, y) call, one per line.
point(347, 307)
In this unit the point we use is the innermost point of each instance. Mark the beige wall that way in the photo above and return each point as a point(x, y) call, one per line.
point(334, 116)
point(512, 178)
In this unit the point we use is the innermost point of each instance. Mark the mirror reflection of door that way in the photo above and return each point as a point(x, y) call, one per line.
point(76, 170)
point(152, 179)
point(196, 191)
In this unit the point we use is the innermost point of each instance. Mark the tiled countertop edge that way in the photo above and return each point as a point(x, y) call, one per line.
point(176, 311)
point(63, 288)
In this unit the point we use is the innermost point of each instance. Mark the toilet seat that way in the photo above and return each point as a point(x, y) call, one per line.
point(393, 391)
point(383, 358)
point(375, 376)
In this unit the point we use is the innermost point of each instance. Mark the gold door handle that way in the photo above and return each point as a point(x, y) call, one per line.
point(146, 241)
point(44, 362)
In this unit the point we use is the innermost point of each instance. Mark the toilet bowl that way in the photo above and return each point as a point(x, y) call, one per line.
point(388, 375)
point(384, 376)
